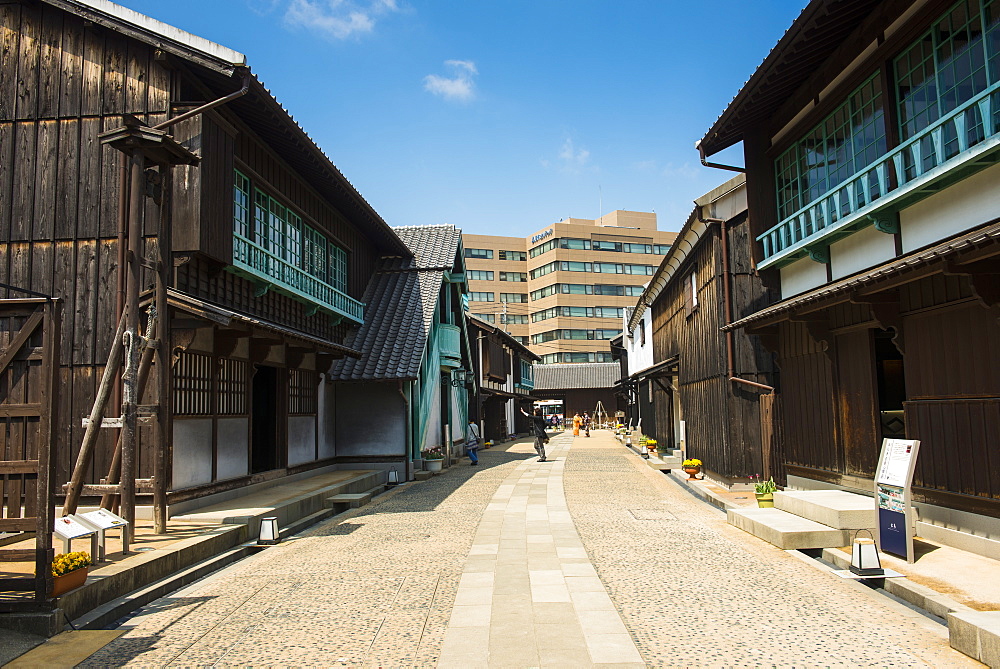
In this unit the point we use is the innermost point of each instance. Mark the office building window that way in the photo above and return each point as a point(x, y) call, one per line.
point(599, 245)
point(484, 254)
point(573, 266)
point(479, 275)
point(543, 270)
point(543, 248)
point(514, 319)
point(608, 268)
point(489, 318)
point(513, 255)
point(661, 249)
point(579, 244)
point(513, 276)
point(480, 297)
point(513, 297)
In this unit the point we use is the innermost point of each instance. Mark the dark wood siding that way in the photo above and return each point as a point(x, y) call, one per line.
point(722, 420)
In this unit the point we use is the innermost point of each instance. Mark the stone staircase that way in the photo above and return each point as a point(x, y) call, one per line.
point(803, 519)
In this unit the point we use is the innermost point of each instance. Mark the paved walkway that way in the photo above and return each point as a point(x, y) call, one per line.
point(529, 595)
point(591, 559)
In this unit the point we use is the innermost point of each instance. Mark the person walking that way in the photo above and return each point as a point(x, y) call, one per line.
point(586, 423)
point(472, 441)
point(577, 421)
point(538, 430)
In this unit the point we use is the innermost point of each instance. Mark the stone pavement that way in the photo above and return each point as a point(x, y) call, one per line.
point(495, 566)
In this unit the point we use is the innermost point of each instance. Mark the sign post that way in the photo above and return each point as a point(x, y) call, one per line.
point(893, 479)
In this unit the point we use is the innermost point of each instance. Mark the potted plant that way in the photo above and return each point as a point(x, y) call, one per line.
point(691, 467)
point(69, 571)
point(650, 444)
point(661, 449)
point(764, 491)
point(433, 458)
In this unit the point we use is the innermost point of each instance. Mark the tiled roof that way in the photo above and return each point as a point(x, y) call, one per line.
point(570, 376)
point(400, 301)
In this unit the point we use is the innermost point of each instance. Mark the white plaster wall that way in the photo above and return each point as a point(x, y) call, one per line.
point(802, 275)
point(432, 437)
point(864, 249)
point(301, 439)
point(233, 449)
point(458, 427)
point(509, 411)
point(641, 357)
point(327, 415)
point(192, 452)
point(965, 205)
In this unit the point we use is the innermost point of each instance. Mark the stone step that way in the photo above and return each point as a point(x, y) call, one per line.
point(786, 530)
point(834, 508)
point(352, 500)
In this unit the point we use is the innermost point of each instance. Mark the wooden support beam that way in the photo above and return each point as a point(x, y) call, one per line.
point(21, 338)
point(19, 467)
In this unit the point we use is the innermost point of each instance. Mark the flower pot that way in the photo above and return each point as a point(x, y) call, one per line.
point(692, 473)
point(71, 581)
point(433, 465)
point(765, 500)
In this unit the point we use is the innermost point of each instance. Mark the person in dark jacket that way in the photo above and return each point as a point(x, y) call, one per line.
point(538, 431)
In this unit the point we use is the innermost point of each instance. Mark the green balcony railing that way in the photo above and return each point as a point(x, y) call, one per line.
point(254, 261)
point(953, 147)
point(450, 345)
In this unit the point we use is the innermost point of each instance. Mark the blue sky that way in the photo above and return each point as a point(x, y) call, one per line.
point(502, 117)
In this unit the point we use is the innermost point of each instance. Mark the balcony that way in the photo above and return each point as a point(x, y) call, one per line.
point(258, 264)
point(450, 345)
point(526, 384)
point(954, 147)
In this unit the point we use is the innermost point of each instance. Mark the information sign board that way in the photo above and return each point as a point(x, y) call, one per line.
point(103, 519)
point(893, 478)
point(69, 527)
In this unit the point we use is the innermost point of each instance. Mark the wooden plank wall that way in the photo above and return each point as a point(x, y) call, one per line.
point(62, 84)
point(722, 420)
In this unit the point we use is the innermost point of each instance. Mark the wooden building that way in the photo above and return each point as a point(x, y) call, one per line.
point(871, 134)
point(409, 390)
point(504, 372)
point(266, 248)
point(710, 391)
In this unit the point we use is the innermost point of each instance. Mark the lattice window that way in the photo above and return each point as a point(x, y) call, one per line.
point(302, 388)
point(241, 205)
point(232, 391)
point(316, 259)
point(193, 385)
point(338, 268)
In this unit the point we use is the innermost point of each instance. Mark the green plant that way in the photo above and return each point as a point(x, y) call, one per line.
point(432, 453)
point(67, 562)
point(762, 487)
point(693, 462)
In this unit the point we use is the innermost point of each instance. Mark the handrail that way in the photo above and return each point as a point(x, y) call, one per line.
point(260, 262)
point(861, 190)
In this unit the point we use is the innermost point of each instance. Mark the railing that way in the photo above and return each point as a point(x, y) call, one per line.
point(295, 282)
point(526, 384)
point(908, 170)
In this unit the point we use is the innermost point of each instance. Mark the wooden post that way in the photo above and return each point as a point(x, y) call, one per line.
point(164, 422)
point(130, 399)
point(47, 438)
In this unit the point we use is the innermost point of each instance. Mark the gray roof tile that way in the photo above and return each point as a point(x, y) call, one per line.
point(570, 376)
point(400, 299)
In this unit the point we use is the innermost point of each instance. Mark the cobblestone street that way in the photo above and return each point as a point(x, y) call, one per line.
point(495, 566)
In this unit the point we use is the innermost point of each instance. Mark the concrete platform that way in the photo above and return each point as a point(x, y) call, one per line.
point(977, 634)
point(287, 502)
point(786, 530)
point(833, 508)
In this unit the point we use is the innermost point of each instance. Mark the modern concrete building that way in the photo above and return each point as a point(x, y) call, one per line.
point(562, 290)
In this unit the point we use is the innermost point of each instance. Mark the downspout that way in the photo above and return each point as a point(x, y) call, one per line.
point(205, 107)
point(728, 304)
point(408, 438)
point(731, 168)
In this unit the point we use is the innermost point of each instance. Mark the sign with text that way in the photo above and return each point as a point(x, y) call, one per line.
point(893, 478)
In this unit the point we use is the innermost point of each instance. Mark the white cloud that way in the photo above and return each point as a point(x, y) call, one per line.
point(459, 87)
point(571, 156)
point(337, 19)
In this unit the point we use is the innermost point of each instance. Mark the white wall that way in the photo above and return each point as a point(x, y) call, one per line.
point(326, 401)
point(192, 448)
point(802, 275)
point(301, 439)
point(639, 357)
point(965, 205)
point(864, 249)
point(232, 453)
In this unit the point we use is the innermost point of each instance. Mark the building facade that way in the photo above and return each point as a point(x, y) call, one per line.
point(711, 390)
point(562, 291)
point(259, 247)
point(580, 387)
point(871, 136)
point(504, 371)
